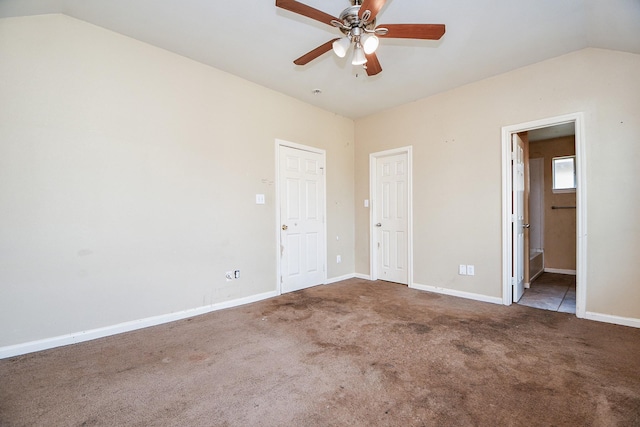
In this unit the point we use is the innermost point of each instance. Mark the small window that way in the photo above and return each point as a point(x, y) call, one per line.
point(564, 174)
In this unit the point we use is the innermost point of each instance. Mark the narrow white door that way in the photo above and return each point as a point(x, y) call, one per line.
point(302, 199)
point(517, 217)
point(391, 218)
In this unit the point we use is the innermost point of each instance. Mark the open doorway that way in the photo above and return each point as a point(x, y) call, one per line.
point(550, 216)
point(560, 138)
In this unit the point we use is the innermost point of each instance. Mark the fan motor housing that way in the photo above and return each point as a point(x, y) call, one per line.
point(350, 18)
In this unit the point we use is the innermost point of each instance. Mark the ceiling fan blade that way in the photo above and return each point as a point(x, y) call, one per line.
point(373, 65)
point(414, 31)
point(372, 6)
point(308, 11)
point(310, 56)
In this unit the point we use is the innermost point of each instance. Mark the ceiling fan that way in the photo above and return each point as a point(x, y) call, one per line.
point(358, 24)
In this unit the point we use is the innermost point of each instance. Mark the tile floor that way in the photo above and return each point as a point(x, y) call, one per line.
point(550, 291)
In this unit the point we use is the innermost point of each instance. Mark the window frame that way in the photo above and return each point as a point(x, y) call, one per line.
point(553, 175)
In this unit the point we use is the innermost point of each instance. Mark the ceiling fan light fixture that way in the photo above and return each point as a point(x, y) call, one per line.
point(370, 43)
point(358, 24)
point(358, 55)
point(341, 46)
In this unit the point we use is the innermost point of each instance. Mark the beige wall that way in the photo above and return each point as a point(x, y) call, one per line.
point(456, 137)
point(559, 224)
point(128, 177)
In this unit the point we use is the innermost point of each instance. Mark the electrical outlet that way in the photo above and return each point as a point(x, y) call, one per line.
point(229, 275)
point(236, 274)
point(462, 270)
point(339, 259)
point(471, 270)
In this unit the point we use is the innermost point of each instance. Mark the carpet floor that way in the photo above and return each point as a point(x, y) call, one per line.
point(354, 353)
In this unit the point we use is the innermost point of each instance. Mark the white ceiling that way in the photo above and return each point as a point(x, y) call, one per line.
point(258, 42)
point(551, 132)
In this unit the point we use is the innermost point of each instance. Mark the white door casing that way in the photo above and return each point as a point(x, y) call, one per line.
point(517, 216)
point(301, 213)
point(391, 252)
point(581, 205)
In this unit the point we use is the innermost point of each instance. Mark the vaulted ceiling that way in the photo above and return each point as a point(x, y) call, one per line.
point(258, 42)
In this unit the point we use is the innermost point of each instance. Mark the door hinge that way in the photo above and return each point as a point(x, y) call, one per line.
point(513, 218)
point(513, 281)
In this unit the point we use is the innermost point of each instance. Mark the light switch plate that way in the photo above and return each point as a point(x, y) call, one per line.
point(462, 270)
point(259, 199)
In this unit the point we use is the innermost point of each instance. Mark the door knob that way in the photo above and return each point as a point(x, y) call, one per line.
point(284, 227)
point(526, 225)
point(378, 225)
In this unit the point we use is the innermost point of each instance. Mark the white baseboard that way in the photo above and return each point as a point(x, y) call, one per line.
point(73, 338)
point(461, 294)
point(609, 318)
point(78, 337)
point(560, 271)
point(346, 277)
point(339, 278)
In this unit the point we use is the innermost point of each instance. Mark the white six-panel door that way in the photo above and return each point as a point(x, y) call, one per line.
point(391, 218)
point(302, 199)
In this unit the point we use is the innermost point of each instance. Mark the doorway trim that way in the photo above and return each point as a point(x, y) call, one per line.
point(581, 204)
point(373, 178)
point(282, 143)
